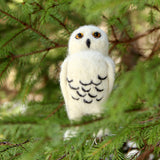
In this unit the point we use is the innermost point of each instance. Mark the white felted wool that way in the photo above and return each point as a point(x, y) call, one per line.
point(87, 73)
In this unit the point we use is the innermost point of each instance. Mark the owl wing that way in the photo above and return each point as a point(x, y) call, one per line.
point(63, 82)
point(111, 72)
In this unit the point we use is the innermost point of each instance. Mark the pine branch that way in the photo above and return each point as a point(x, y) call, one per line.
point(100, 148)
point(113, 46)
point(155, 48)
point(29, 27)
point(147, 152)
point(153, 7)
point(82, 124)
point(13, 145)
point(13, 57)
point(4, 70)
point(40, 7)
point(14, 37)
point(137, 37)
point(39, 51)
point(57, 109)
point(125, 31)
point(16, 155)
point(112, 28)
point(62, 24)
point(62, 157)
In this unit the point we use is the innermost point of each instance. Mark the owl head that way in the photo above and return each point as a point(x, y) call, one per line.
point(88, 37)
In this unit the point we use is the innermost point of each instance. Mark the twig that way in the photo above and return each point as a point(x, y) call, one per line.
point(112, 28)
point(34, 52)
point(153, 7)
point(138, 152)
point(59, 106)
point(50, 157)
point(137, 37)
point(125, 31)
point(16, 155)
point(13, 57)
point(62, 157)
point(29, 27)
point(39, 51)
point(82, 124)
point(13, 37)
point(148, 151)
point(6, 67)
point(156, 46)
point(12, 145)
point(113, 46)
point(40, 7)
point(100, 148)
point(62, 24)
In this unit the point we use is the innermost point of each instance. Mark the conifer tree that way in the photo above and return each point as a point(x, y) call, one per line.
point(33, 43)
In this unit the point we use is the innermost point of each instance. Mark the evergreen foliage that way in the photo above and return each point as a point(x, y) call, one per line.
point(33, 43)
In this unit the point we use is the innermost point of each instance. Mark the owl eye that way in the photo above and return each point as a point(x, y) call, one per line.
point(79, 36)
point(96, 34)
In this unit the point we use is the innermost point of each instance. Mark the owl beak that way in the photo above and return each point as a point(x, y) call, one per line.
point(88, 42)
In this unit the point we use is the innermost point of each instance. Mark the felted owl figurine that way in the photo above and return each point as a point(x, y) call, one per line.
point(87, 73)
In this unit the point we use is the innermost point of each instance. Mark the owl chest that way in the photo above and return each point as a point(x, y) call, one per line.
point(87, 80)
point(86, 67)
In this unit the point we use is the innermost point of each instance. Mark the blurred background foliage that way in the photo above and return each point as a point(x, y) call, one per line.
point(33, 43)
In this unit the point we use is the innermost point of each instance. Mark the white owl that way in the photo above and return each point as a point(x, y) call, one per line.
point(87, 73)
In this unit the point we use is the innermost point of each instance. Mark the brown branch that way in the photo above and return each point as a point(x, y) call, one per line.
point(50, 157)
point(155, 48)
point(153, 7)
point(16, 155)
point(13, 57)
point(39, 51)
point(82, 124)
point(112, 28)
point(6, 68)
point(137, 37)
point(8, 91)
point(147, 152)
point(13, 37)
point(125, 31)
point(113, 46)
point(57, 109)
point(12, 145)
point(62, 24)
point(151, 119)
point(29, 27)
point(62, 157)
point(113, 32)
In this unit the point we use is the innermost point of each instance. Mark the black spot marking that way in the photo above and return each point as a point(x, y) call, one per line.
point(81, 94)
point(74, 88)
point(85, 84)
point(88, 102)
point(98, 99)
point(96, 84)
point(86, 90)
point(99, 90)
point(91, 82)
point(75, 98)
point(69, 81)
point(102, 78)
point(92, 96)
